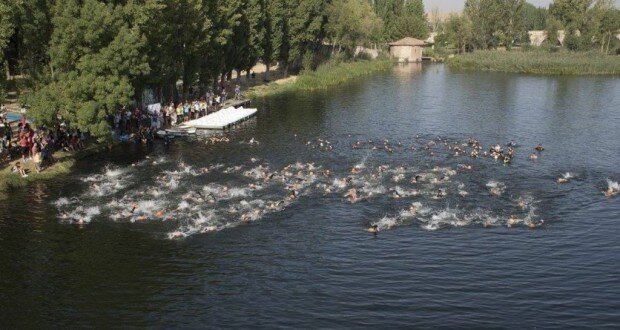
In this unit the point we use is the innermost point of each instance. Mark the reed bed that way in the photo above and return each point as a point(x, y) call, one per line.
point(327, 75)
point(538, 62)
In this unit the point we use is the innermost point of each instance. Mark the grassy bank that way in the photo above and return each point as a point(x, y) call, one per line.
point(63, 165)
point(327, 75)
point(538, 62)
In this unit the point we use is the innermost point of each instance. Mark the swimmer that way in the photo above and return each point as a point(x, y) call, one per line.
point(395, 194)
point(352, 195)
point(610, 192)
point(374, 229)
point(539, 147)
point(512, 221)
point(292, 195)
point(533, 157)
point(562, 180)
point(495, 191)
point(522, 204)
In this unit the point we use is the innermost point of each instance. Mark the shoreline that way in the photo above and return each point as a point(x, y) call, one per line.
point(537, 62)
point(62, 166)
point(326, 75)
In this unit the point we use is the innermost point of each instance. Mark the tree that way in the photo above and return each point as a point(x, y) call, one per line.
point(570, 13)
point(351, 22)
point(435, 20)
point(306, 30)
point(487, 15)
point(513, 28)
point(408, 20)
point(98, 52)
point(458, 30)
point(552, 29)
point(534, 18)
point(7, 27)
point(605, 20)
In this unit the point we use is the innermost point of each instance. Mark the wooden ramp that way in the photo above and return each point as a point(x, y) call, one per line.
point(222, 119)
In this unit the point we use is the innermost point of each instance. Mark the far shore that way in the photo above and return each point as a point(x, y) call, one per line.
point(537, 62)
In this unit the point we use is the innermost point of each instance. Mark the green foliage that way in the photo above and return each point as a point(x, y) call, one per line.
point(496, 22)
point(7, 25)
point(327, 75)
point(534, 18)
point(83, 59)
point(570, 13)
point(458, 31)
point(404, 19)
point(553, 28)
point(605, 24)
point(538, 62)
point(97, 51)
point(351, 23)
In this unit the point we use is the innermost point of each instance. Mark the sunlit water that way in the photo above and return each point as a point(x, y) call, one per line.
point(207, 234)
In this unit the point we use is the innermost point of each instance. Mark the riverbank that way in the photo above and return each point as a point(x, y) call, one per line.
point(64, 162)
point(538, 62)
point(327, 75)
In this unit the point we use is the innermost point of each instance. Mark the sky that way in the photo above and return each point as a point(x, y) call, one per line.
point(457, 5)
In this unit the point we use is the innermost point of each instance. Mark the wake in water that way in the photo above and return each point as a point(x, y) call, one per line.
point(612, 188)
point(187, 200)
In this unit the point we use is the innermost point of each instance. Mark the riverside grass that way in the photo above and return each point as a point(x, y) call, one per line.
point(62, 166)
point(327, 75)
point(538, 62)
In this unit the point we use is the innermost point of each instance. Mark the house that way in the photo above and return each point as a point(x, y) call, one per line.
point(537, 37)
point(407, 50)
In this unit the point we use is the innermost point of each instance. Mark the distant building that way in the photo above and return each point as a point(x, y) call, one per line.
point(537, 37)
point(407, 50)
point(372, 53)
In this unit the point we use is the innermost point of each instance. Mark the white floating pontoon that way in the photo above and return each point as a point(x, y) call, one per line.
point(221, 119)
point(178, 131)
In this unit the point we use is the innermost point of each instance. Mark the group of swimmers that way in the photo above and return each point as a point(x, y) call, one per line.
point(361, 183)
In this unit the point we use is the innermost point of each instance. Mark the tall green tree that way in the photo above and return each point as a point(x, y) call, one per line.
point(534, 18)
point(97, 51)
point(404, 19)
point(351, 22)
point(458, 31)
point(487, 18)
point(605, 24)
point(7, 29)
point(306, 27)
point(571, 14)
point(513, 28)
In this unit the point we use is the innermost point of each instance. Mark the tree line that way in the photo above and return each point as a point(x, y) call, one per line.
point(488, 24)
point(83, 59)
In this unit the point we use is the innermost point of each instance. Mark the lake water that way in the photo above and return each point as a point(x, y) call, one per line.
point(193, 235)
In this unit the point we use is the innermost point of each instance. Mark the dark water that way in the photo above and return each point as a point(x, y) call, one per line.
point(456, 263)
